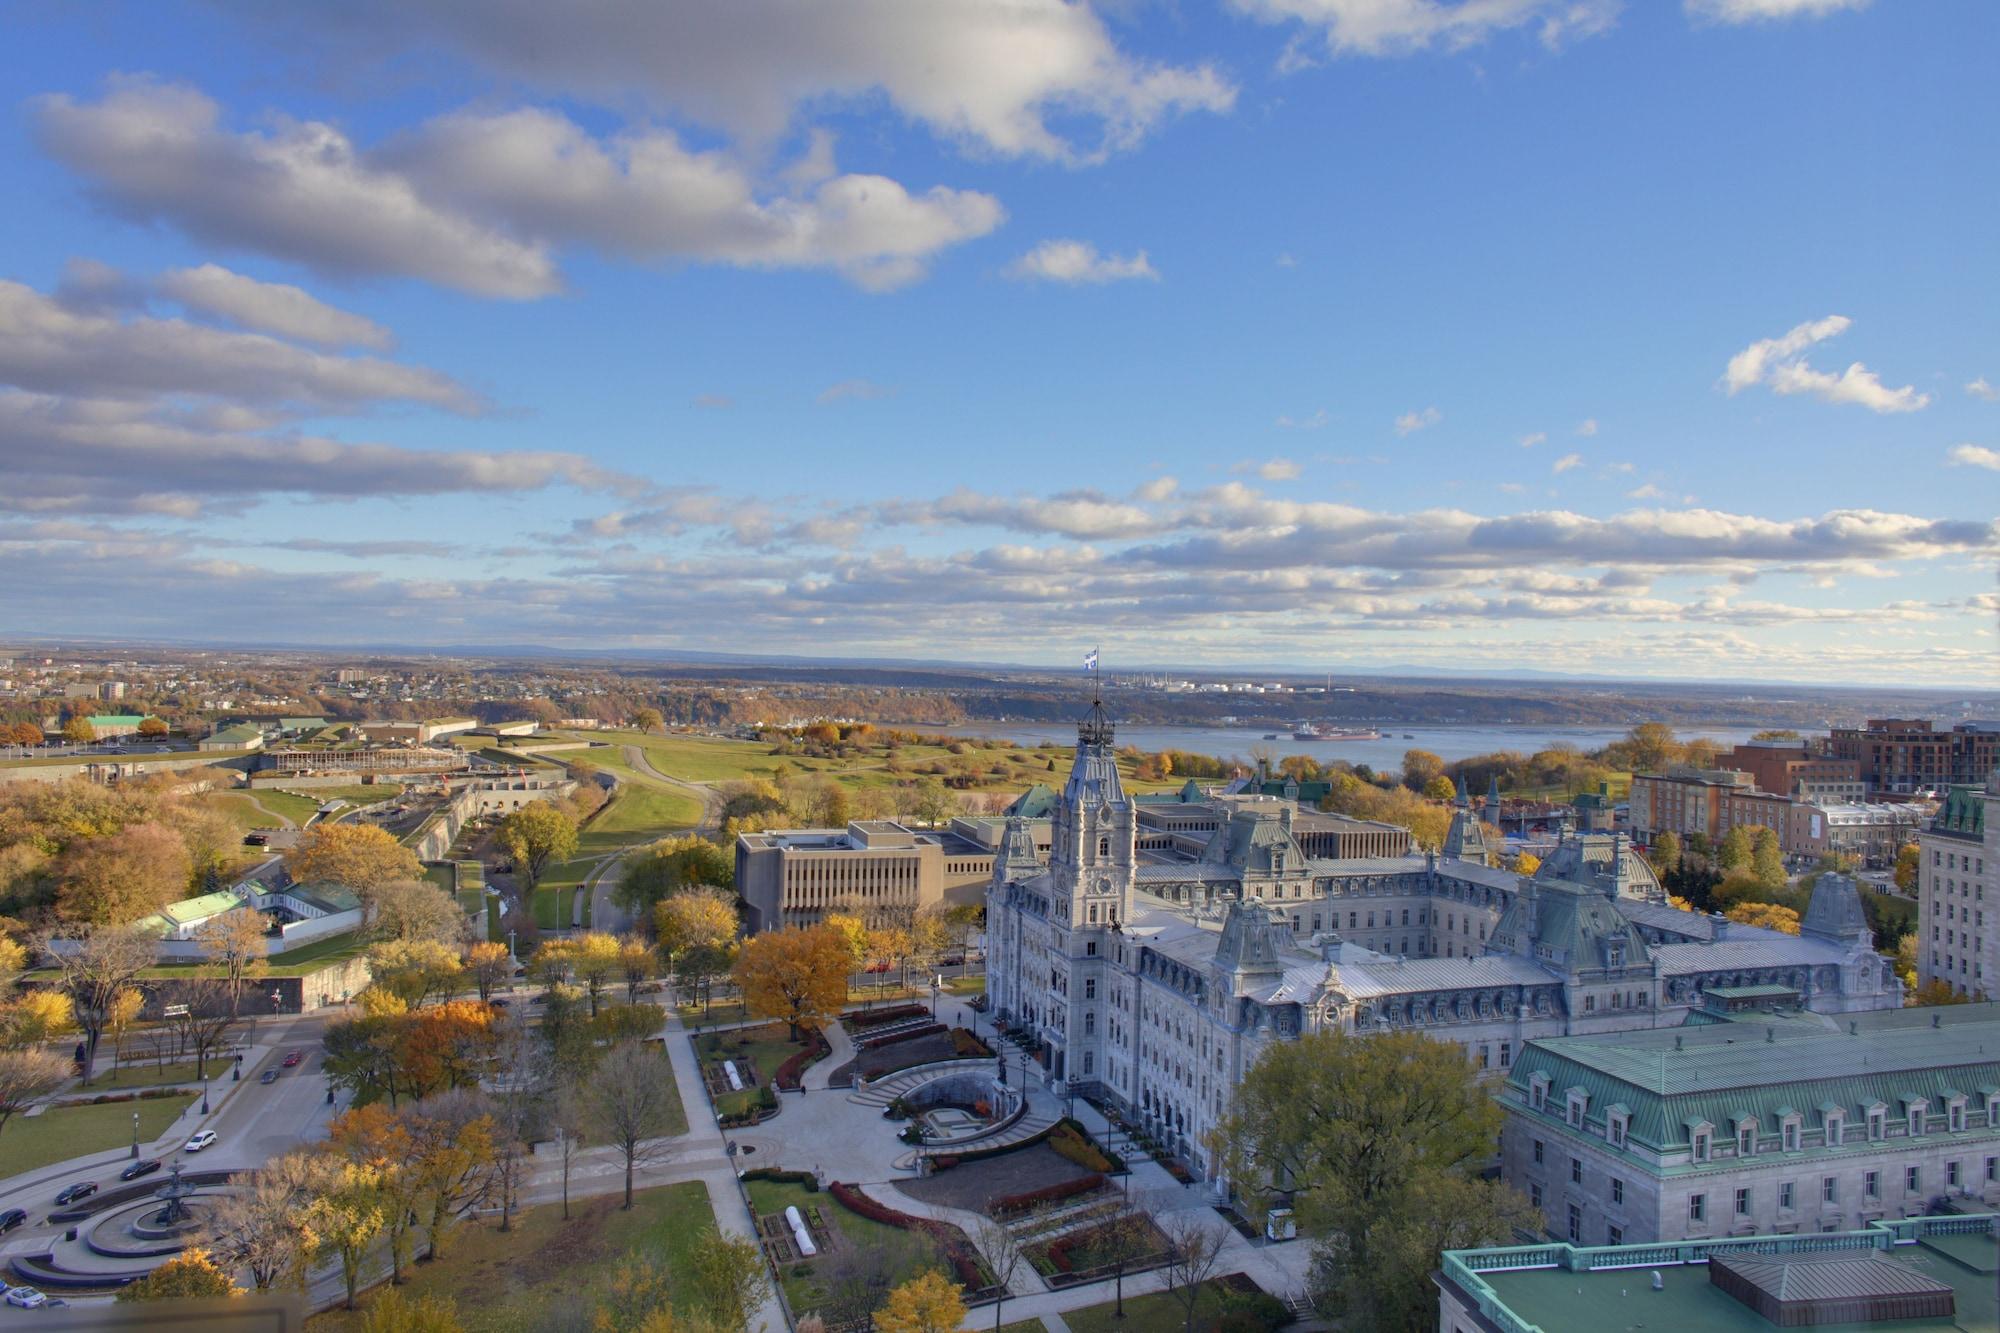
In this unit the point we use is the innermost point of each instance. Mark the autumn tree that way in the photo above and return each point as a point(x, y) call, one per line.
point(1767, 860)
point(1420, 769)
point(727, 1274)
point(669, 866)
point(1440, 788)
point(345, 1218)
point(636, 965)
point(489, 964)
point(235, 943)
point(648, 719)
point(27, 733)
point(79, 730)
point(854, 933)
point(536, 836)
point(393, 1312)
point(692, 919)
point(1736, 850)
point(452, 1143)
point(928, 1303)
point(27, 1076)
point(415, 971)
point(375, 1141)
point(92, 968)
point(1361, 1129)
point(799, 975)
point(592, 959)
point(152, 728)
point(1665, 853)
point(1908, 858)
point(445, 1046)
point(930, 802)
point(360, 857)
point(1650, 747)
point(631, 1103)
point(189, 1276)
point(122, 876)
point(415, 909)
point(1771, 916)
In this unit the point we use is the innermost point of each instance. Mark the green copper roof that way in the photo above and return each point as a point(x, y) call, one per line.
point(1717, 1072)
point(1037, 802)
point(1963, 812)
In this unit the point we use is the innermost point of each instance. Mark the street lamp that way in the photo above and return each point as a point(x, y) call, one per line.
point(204, 1094)
point(135, 1136)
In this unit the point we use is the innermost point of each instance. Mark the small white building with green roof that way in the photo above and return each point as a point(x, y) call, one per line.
point(181, 920)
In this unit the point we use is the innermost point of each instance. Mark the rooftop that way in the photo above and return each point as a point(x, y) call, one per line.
point(1564, 1289)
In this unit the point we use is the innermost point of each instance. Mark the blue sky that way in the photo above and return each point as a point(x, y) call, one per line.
point(1652, 339)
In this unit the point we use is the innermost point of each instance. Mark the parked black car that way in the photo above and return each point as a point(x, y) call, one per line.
point(83, 1189)
point(12, 1218)
point(145, 1166)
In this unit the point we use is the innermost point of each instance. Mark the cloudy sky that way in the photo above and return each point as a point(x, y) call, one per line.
point(1656, 339)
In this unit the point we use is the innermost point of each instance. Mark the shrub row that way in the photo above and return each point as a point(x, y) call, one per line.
point(1068, 1189)
point(806, 1179)
point(795, 1064)
point(1074, 1144)
point(964, 1260)
point(927, 1030)
point(967, 1045)
point(869, 1018)
point(143, 1095)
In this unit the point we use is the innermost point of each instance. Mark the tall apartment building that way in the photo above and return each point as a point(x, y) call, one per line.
point(1685, 802)
point(1796, 768)
point(1955, 945)
point(873, 868)
point(1903, 755)
point(1761, 1119)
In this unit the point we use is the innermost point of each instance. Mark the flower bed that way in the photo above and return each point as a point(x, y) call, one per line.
point(795, 1065)
point(1030, 1199)
point(1067, 1260)
point(958, 1251)
point(969, 1046)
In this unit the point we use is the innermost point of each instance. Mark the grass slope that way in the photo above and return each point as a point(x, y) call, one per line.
point(56, 1135)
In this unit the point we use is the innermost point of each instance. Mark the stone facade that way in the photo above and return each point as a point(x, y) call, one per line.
point(1954, 851)
point(1155, 981)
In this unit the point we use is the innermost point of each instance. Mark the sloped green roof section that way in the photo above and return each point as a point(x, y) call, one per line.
point(1963, 812)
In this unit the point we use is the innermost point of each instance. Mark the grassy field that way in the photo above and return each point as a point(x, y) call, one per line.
point(518, 1280)
point(358, 794)
point(141, 1073)
point(240, 809)
point(291, 805)
point(638, 812)
point(1158, 1310)
point(30, 1142)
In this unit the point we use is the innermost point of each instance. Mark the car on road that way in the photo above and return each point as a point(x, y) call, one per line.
point(145, 1166)
point(256, 840)
point(25, 1297)
point(200, 1141)
point(499, 1002)
point(268, 1076)
point(69, 1194)
point(12, 1218)
point(293, 1057)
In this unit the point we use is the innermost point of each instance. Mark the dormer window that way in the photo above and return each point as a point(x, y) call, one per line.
point(1746, 1138)
point(1790, 1133)
point(1878, 1123)
point(1574, 1113)
point(1700, 1145)
point(1616, 1123)
point(1993, 1110)
point(1954, 1115)
point(1836, 1128)
point(1538, 1092)
point(1914, 1117)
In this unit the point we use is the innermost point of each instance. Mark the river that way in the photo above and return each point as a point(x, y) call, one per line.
point(1447, 742)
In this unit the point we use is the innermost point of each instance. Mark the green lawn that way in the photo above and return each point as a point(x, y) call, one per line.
point(29, 1142)
point(520, 1280)
point(367, 793)
point(139, 1073)
point(901, 1254)
point(291, 805)
point(295, 963)
point(765, 1047)
point(240, 810)
point(638, 812)
point(1157, 1310)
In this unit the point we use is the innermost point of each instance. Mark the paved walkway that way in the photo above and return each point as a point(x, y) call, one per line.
point(841, 1052)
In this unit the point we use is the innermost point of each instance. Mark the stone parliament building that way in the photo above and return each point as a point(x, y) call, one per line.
point(1154, 978)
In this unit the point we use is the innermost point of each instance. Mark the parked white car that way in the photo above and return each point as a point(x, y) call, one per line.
point(201, 1140)
point(25, 1297)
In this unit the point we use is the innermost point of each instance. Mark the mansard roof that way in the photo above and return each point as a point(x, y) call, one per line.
point(1963, 813)
point(1747, 948)
point(1364, 974)
point(1589, 858)
point(1574, 926)
point(1835, 912)
point(1253, 841)
point(1037, 802)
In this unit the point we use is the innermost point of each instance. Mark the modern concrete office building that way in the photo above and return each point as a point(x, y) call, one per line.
point(874, 868)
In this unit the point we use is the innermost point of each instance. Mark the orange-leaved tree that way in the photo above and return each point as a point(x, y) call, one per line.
point(799, 975)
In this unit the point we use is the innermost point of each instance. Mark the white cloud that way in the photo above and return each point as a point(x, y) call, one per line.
point(1398, 27)
point(1566, 463)
point(153, 151)
point(1979, 388)
point(1079, 262)
point(1972, 455)
point(1764, 11)
point(1270, 469)
point(1157, 490)
point(853, 389)
point(1040, 78)
point(479, 201)
point(1314, 422)
point(273, 307)
point(48, 347)
point(1411, 422)
point(714, 401)
point(1534, 438)
point(1779, 364)
point(1646, 492)
point(1285, 259)
point(1587, 427)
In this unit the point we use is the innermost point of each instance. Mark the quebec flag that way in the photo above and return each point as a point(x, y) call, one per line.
point(1090, 660)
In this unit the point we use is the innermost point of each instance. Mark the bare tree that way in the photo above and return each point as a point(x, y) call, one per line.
point(260, 1223)
point(856, 1280)
point(1195, 1240)
point(629, 1104)
point(235, 943)
point(26, 1077)
point(572, 1118)
point(524, 1064)
point(204, 1022)
point(1004, 1254)
point(92, 966)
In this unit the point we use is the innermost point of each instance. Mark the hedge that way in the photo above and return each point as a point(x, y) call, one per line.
point(778, 1177)
point(972, 1275)
point(927, 1030)
point(795, 1064)
point(1068, 1189)
point(869, 1018)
